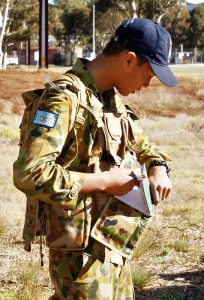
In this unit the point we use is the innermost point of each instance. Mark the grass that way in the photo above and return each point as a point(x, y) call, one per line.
point(141, 278)
point(180, 210)
point(202, 258)
point(165, 251)
point(30, 275)
point(180, 246)
point(2, 225)
point(9, 133)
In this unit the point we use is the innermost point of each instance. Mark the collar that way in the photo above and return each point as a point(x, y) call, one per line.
point(82, 72)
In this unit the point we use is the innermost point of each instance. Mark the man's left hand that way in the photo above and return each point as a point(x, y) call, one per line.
point(160, 183)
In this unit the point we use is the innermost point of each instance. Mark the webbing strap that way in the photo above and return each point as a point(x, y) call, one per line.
point(82, 91)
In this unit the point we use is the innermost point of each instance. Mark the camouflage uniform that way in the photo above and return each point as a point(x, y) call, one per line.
point(89, 136)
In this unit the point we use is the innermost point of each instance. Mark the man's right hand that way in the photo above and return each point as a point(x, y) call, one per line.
point(117, 181)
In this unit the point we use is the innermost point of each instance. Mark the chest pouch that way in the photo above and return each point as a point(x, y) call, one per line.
point(119, 227)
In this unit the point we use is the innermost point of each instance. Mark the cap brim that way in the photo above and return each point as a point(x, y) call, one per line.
point(164, 74)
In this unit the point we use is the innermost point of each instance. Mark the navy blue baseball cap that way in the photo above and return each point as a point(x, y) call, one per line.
point(151, 41)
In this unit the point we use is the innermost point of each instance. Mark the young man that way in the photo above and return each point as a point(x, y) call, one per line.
point(77, 135)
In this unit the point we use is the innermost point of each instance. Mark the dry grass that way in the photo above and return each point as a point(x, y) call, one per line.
point(173, 242)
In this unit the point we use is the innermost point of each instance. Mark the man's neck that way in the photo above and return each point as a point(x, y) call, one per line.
point(102, 72)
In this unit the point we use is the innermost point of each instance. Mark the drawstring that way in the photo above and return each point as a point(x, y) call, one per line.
point(42, 229)
point(41, 251)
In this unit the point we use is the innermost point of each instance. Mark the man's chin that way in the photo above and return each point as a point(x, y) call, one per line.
point(124, 94)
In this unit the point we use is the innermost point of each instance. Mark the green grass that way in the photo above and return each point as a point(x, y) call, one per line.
point(141, 278)
point(2, 226)
point(7, 295)
point(202, 258)
point(181, 246)
point(165, 251)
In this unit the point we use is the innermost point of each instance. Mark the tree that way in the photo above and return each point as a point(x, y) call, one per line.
point(178, 25)
point(196, 34)
point(156, 9)
point(4, 9)
point(109, 15)
point(75, 28)
point(19, 25)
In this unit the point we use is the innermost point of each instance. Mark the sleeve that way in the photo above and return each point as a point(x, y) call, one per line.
point(36, 172)
point(146, 151)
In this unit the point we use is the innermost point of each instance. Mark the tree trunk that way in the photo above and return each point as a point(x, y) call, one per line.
point(3, 32)
point(4, 57)
point(66, 54)
point(133, 8)
point(159, 18)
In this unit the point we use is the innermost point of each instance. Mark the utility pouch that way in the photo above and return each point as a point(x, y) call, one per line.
point(119, 227)
point(69, 230)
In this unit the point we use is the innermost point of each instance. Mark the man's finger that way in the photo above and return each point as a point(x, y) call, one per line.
point(164, 193)
point(155, 194)
point(167, 193)
point(160, 192)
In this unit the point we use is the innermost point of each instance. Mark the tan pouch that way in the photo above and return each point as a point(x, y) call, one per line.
point(119, 227)
point(69, 230)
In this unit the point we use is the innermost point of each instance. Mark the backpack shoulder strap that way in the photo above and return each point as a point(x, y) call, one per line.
point(70, 82)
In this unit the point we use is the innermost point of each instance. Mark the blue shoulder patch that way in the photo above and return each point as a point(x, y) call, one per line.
point(45, 118)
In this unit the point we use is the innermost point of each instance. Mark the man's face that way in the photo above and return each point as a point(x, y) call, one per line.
point(134, 76)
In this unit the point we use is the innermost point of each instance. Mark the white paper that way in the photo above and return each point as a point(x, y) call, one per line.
point(136, 199)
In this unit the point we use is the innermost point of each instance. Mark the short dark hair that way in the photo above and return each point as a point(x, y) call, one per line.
point(115, 48)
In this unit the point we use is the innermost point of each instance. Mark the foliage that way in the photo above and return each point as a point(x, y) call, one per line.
point(75, 26)
point(196, 35)
point(140, 278)
point(178, 25)
point(155, 9)
point(181, 245)
point(22, 24)
point(109, 15)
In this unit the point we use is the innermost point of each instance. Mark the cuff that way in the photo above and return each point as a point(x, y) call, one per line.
point(77, 180)
point(163, 157)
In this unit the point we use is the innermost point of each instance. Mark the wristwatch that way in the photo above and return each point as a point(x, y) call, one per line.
point(163, 163)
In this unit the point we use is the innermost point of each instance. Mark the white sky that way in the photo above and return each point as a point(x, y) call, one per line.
point(195, 1)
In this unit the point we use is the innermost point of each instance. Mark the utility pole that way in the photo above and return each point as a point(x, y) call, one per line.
point(94, 33)
point(43, 34)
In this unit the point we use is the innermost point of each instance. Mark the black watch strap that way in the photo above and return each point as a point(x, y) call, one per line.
point(163, 163)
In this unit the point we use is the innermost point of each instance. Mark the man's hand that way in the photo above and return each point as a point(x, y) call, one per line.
point(117, 181)
point(160, 183)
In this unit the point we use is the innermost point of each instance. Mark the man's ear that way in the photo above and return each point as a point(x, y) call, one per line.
point(130, 60)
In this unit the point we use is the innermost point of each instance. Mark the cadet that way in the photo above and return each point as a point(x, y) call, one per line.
point(75, 135)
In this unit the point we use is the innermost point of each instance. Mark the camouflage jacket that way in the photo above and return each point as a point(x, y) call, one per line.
point(53, 160)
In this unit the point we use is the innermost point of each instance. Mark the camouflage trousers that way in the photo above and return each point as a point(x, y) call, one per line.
point(81, 276)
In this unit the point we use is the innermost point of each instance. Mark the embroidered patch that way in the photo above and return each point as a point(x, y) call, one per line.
point(45, 118)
